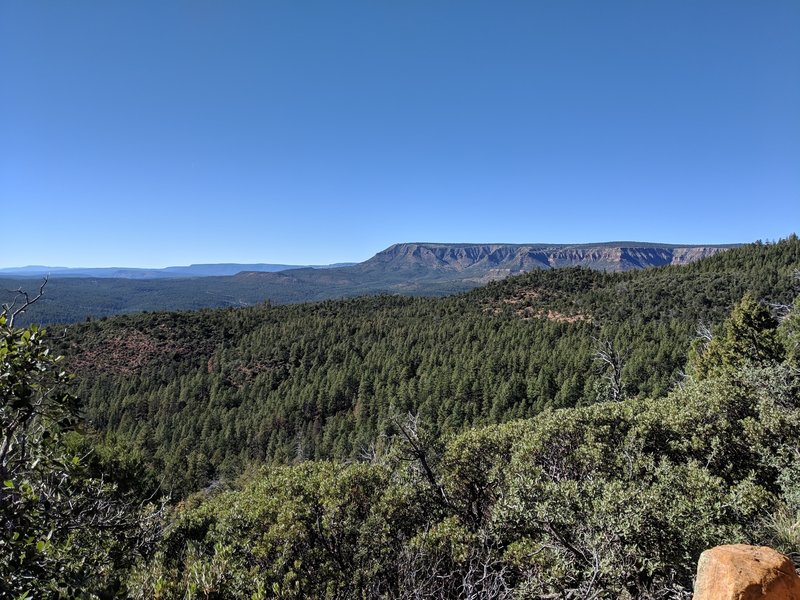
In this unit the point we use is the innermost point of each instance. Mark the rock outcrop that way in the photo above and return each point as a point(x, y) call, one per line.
point(741, 572)
point(500, 260)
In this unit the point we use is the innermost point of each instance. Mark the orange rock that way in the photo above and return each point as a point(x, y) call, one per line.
point(740, 572)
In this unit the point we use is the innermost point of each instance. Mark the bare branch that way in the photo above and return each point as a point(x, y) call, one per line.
point(612, 362)
point(780, 311)
point(11, 311)
point(703, 332)
point(418, 450)
point(368, 454)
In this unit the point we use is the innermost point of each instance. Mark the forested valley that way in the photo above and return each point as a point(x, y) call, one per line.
point(561, 434)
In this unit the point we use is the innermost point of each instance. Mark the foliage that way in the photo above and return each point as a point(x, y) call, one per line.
point(64, 532)
point(791, 334)
point(202, 395)
point(615, 500)
point(279, 429)
point(749, 334)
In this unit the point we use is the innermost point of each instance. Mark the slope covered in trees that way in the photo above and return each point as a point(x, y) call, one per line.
point(204, 394)
point(608, 499)
point(616, 500)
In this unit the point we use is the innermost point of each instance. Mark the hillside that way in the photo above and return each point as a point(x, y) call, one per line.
point(411, 269)
point(205, 393)
point(560, 434)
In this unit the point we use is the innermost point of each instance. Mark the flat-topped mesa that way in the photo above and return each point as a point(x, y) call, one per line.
point(518, 258)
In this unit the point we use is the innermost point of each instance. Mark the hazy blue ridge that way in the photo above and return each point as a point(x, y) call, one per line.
point(198, 270)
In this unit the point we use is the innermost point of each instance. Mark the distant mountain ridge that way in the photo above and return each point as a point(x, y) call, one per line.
point(418, 269)
point(195, 270)
point(495, 261)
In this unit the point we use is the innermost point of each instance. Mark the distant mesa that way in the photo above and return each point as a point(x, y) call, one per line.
point(417, 269)
point(484, 261)
point(494, 261)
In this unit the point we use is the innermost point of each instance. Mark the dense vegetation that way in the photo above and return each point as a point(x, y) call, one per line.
point(616, 500)
point(204, 394)
point(71, 299)
point(462, 447)
point(73, 515)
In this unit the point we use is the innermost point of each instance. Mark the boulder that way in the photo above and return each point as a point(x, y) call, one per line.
point(741, 572)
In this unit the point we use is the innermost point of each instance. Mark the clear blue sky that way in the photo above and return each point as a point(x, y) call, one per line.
point(153, 133)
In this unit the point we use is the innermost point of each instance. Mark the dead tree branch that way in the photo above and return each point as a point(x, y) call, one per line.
point(10, 309)
point(612, 362)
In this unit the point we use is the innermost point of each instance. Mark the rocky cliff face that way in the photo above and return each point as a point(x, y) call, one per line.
point(491, 261)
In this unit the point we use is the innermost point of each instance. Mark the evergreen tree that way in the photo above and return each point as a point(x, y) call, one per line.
point(750, 334)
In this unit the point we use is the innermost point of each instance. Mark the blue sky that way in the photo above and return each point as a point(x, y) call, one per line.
point(155, 133)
